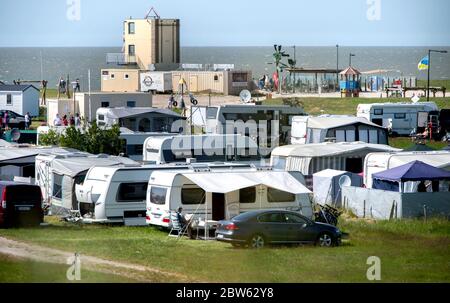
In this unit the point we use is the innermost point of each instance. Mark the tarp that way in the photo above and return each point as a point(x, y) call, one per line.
point(326, 185)
point(413, 171)
point(228, 182)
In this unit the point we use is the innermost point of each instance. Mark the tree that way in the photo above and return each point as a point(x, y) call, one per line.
point(92, 139)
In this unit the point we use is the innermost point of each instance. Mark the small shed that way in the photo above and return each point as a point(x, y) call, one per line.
point(19, 98)
point(327, 189)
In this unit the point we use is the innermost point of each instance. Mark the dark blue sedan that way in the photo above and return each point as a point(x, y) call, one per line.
point(259, 228)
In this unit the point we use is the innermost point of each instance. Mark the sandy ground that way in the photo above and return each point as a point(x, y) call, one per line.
point(43, 254)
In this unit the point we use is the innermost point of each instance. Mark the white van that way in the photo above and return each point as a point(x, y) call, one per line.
point(401, 118)
point(200, 148)
point(222, 194)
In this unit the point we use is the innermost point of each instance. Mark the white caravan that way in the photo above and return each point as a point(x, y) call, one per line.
point(376, 162)
point(153, 82)
point(118, 194)
point(401, 118)
point(200, 148)
point(222, 194)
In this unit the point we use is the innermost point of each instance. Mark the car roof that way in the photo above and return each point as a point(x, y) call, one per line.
point(255, 213)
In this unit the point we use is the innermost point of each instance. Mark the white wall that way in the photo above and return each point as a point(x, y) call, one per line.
point(16, 98)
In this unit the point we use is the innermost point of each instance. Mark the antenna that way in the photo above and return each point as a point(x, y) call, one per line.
point(155, 15)
point(245, 96)
point(345, 181)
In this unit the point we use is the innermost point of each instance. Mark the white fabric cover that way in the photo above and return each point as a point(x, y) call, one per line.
point(228, 182)
point(326, 186)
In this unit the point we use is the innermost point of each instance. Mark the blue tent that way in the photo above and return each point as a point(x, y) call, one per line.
point(413, 171)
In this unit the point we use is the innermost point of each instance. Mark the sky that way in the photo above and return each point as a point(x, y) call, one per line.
point(55, 23)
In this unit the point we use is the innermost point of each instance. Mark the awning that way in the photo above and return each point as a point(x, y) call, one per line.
point(228, 182)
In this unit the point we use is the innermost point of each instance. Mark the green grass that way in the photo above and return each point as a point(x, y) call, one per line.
point(410, 251)
point(405, 143)
point(346, 106)
point(13, 270)
point(434, 83)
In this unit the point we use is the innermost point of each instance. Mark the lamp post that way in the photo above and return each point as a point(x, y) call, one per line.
point(350, 59)
point(337, 65)
point(429, 67)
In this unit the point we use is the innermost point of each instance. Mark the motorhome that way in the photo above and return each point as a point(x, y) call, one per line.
point(118, 194)
point(401, 118)
point(265, 117)
point(200, 148)
point(379, 161)
point(222, 194)
point(336, 128)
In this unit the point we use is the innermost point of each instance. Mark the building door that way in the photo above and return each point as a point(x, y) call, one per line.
point(218, 206)
point(193, 84)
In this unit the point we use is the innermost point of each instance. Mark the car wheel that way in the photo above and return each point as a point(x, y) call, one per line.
point(257, 241)
point(325, 240)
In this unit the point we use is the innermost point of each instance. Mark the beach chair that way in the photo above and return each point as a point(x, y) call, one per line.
point(177, 229)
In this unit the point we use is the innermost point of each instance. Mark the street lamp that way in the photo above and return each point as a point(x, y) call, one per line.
point(429, 67)
point(350, 59)
point(337, 65)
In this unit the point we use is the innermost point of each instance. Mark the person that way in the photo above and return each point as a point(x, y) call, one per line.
point(181, 218)
point(27, 120)
point(57, 121)
point(77, 119)
point(171, 101)
point(421, 188)
point(76, 86)
point(183, 107)
point(6, 120)
point(65, 121)
point(72, 121)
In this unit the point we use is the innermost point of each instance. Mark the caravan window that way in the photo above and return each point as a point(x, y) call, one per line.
point(192, 196)
point(158, 195)
point(57, 186)
point(275, 196)
point(247, 195)
point(400, 116)
point(378, 111)
point(132, 192)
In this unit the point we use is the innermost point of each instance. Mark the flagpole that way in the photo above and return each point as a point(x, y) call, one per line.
point(428, 80)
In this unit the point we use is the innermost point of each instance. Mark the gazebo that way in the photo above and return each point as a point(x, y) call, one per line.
point(350, 82)
point(400, 178)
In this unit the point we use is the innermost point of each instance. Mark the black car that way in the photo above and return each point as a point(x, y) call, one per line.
point(262, 227)
point(21, 205)
point(15, 120)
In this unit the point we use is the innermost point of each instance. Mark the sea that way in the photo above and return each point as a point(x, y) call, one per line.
point(52, 63)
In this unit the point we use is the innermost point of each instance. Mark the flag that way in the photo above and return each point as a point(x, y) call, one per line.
point(423, 64)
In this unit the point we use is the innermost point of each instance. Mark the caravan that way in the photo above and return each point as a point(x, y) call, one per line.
point(401, 118)
point(200, 148)
point(118, 194)
point(218, 194)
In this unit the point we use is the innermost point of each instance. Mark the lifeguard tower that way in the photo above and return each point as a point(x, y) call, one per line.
point(350, 82)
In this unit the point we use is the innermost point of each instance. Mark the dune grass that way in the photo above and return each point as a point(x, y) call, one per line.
point(410, 251)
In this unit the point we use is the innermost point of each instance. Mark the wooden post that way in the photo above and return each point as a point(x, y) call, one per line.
point(68, 87)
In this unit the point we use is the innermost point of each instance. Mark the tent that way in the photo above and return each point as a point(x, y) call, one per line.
point(326, 186)
point(415, 171)
point(419, 147)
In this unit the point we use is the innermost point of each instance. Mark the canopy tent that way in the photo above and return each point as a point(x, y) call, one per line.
point(392, 179)
point(228, 182)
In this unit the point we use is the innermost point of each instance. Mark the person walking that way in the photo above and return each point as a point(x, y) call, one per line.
point(183, 107)
point(77, 119)
point(27, 120)
point(57, 121)
point(171, 101)
point(6, 120)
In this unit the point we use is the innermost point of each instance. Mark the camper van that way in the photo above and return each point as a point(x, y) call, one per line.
point(377, 162)
point(118, 194)
point(336, 128)
point(222, 194)
point(200, 148)
point(401, 118)
point(217, 117)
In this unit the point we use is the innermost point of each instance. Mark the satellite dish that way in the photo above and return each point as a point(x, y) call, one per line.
point(15, 135)
point(245, 96)
point(415, 99)
point(345, 181)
